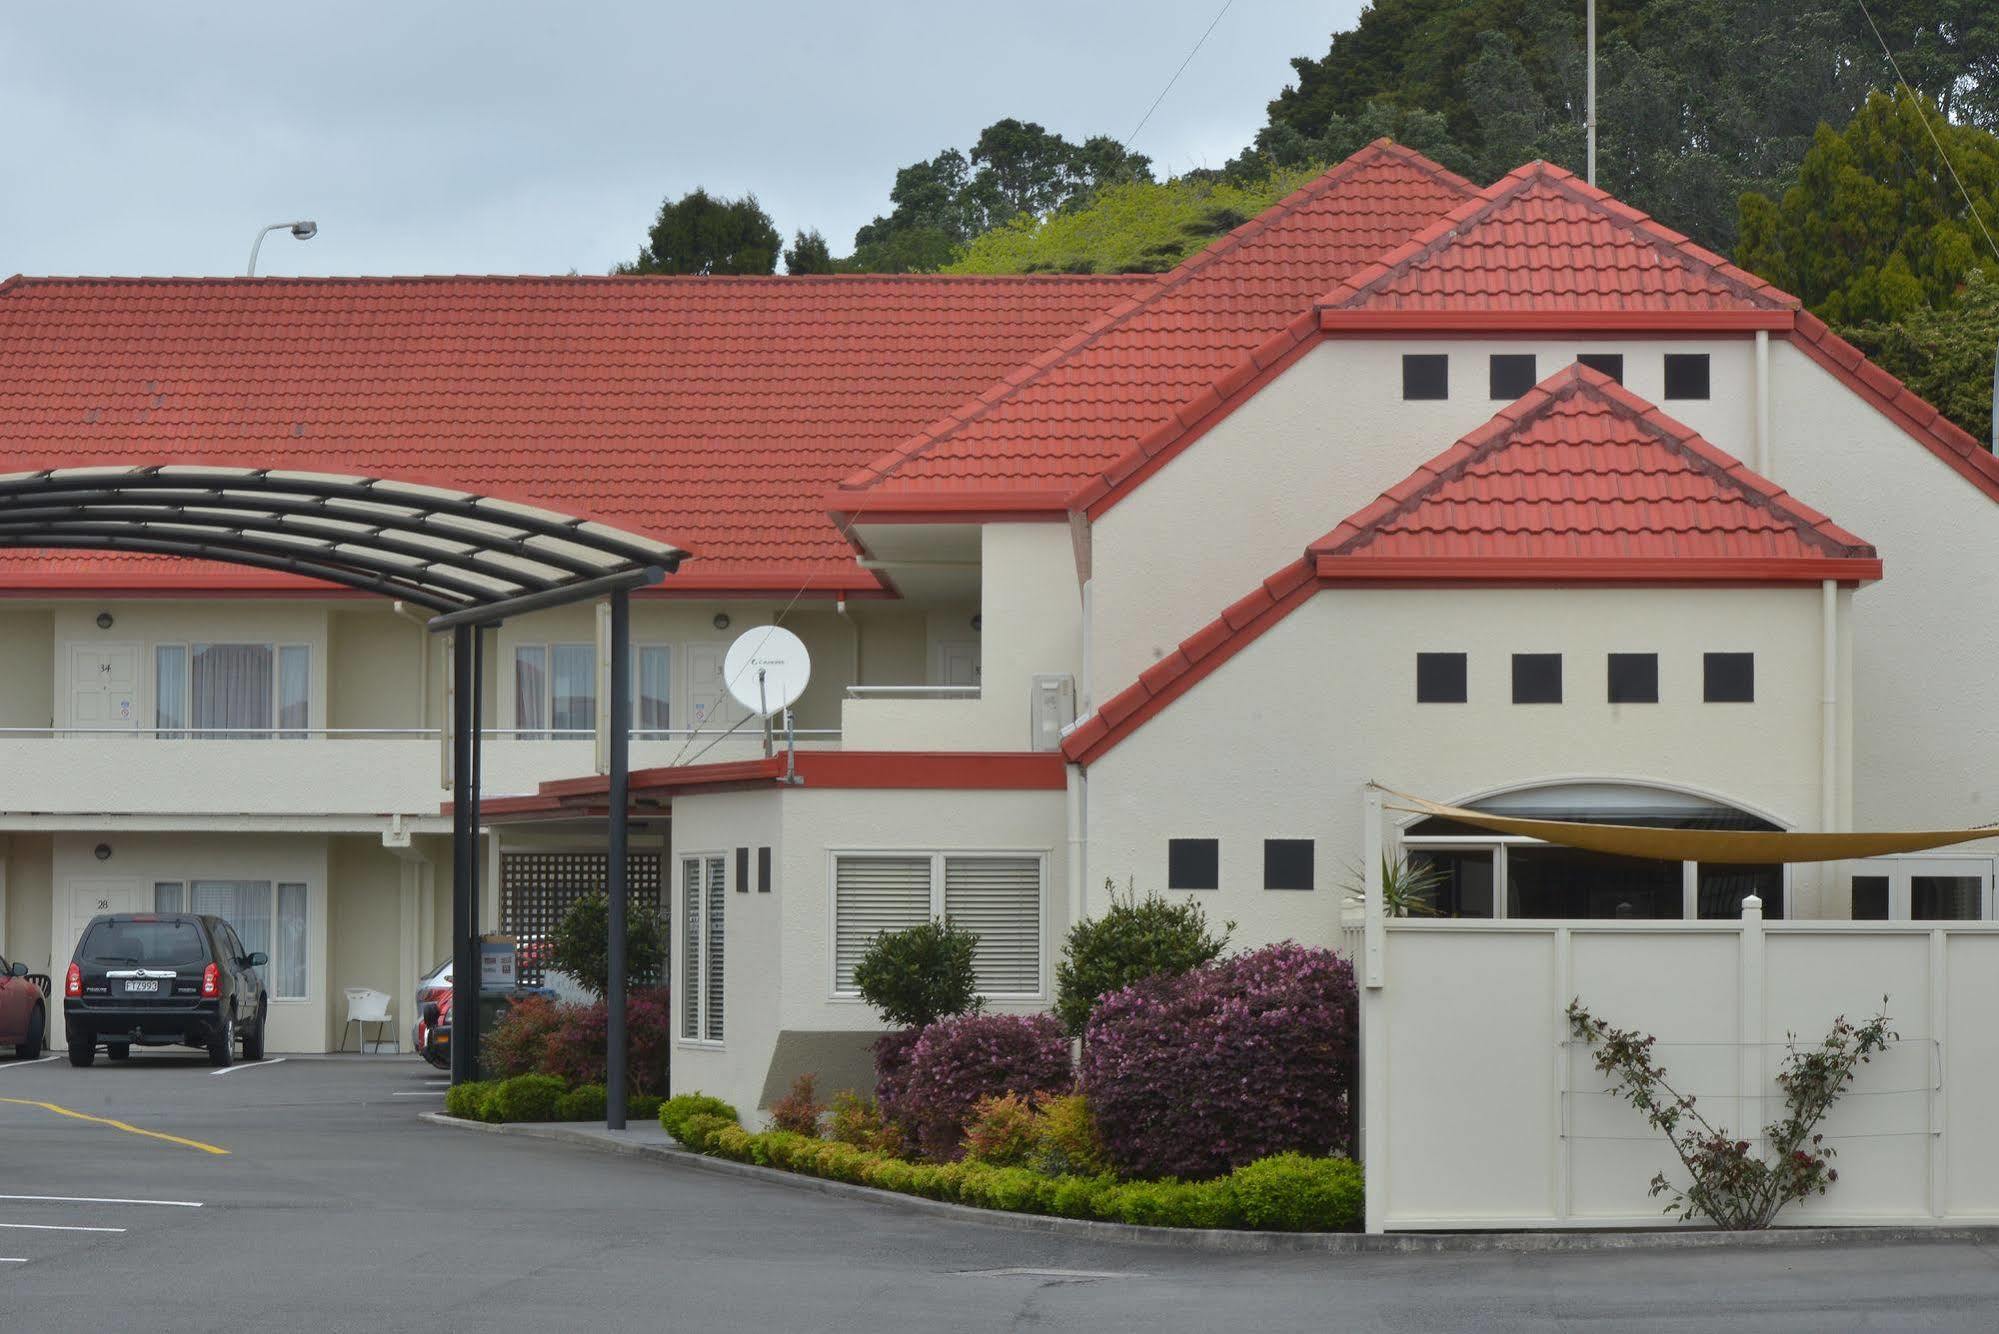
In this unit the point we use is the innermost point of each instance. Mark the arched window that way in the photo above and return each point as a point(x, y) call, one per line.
point(1477, 873)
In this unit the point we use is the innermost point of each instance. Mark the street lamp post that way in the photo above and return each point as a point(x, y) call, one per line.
point(303, 229)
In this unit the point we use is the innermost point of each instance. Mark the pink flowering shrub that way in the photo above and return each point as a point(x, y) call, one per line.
point(1193, 1075)
point(957, 1061)
point(538, 1036)
point(892, 1069)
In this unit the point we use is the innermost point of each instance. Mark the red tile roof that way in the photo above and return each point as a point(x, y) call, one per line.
point(1579, 482)
point(1542, 242)
point(1057, 423)
point(710, 412)
point(1581, 478)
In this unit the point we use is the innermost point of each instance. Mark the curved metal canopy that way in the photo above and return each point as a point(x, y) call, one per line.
point(451, 551)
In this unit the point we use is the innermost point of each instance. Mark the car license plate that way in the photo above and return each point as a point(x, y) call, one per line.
point(136, 985)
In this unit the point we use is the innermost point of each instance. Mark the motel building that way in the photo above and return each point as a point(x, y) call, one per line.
point(1509, 497)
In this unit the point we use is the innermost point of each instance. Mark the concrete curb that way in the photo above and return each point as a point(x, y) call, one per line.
point(1233, 1240)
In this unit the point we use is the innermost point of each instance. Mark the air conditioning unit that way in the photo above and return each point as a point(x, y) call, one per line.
point(1051, 710)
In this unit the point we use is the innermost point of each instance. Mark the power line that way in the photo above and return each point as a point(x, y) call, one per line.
point(1176, 74)
point(1970, 206)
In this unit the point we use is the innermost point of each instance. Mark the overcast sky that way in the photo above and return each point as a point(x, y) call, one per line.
point(518, 137)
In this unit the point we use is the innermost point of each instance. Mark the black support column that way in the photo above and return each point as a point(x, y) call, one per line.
point(464, 856)
point(615, 1074)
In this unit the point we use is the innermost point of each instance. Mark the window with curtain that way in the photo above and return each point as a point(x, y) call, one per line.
point(555, 691)
point(531, 692)
point(294, 691)
point(652, 684)
point(169, 896)
point(997, 896)
point(170, 690)
point(572, 682)
point(231, 688)
point(232, 691)
point(269, 919)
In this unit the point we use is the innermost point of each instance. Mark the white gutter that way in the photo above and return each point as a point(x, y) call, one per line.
point(1078, 840)
point(1828, 705)
point(1763, 443)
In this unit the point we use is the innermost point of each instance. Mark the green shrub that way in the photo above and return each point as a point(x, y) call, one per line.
point(581, 944)
point(700, 1129)
point(918, 976)
point(800, 1109)
point(1169, 1204)
point(674, 1112)
point(1077, 1196)
point(468, 1100)
point(1138, 937)
point(1066, 1140)
point(526, 1098)
point(643, 1106)
point(585, 1102)
point(1289, 1192)
point(1001, 1131)
point(859, 1121)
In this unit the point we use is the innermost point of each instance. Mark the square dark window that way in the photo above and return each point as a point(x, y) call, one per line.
point(1607, 363)
point(1686, 375)
point(763, 870)
point(742, 870)
point(1634, 678)
point(1537, 678)
point(1440, 678)
point(1193, 863)
point(1426, 375)
point(1512, 374)
point(1287, 863)
point(1728, 678)
point(1870, 898)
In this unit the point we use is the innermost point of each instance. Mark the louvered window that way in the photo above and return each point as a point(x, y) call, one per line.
point(999, 899)
point(703, 886)
point(995, 896)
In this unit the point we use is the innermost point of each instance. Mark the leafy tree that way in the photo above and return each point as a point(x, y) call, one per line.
point(581, 944)
point(1140, 936)
point(917, 976)
point(704, 233)
point(1876, 228)
point(1945, 355)
point(808, 253)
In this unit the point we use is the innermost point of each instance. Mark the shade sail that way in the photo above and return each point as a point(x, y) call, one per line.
point(1700, 845)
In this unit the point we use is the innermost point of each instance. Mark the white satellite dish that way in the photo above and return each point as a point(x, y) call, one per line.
point(766, 669)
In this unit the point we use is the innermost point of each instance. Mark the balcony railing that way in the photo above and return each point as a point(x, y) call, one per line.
point(913, 692)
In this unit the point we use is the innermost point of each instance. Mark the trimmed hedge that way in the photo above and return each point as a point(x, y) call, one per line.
point(676, 1111)
point(1288, 1192)
point(537, 1098)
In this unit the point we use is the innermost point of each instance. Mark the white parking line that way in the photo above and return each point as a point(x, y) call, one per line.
point(249, 1065)
point(100, 1199)
point(16, 1065)
point(12, 1260)
point(58, 1227)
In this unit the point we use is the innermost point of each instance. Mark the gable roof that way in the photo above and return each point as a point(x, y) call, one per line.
point(1056, 423)
point(1542, 244)
point(1579, 482)
point(715, 411)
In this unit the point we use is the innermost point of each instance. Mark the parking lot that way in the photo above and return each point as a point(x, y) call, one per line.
point(305, 1194)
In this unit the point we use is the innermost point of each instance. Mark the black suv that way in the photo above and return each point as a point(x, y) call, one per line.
point(163, 978)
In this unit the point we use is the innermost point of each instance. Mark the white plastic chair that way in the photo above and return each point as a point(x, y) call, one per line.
point(367, 1006)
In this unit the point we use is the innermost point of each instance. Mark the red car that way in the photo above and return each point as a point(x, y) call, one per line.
point(24, 1012)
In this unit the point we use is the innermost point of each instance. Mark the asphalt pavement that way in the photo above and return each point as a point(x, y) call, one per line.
point(306, 1194)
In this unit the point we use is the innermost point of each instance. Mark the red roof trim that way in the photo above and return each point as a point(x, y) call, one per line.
point(1350, 320)
point(1363, 569)
point(881, 770)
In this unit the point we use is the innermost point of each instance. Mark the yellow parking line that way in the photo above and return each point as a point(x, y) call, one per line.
point(120, 1125)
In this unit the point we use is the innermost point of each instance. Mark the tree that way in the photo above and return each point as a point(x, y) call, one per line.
point(704, 233)
point(581, 944)
point(1945, 355)
point(808, 253)
point(919, 975)
point(1139, 937)
point(1876, 227)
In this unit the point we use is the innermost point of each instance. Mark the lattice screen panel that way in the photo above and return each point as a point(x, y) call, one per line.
point(537, 888)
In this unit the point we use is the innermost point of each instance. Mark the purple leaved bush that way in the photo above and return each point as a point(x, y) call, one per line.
point(1194, 1075)
point(957, 1061)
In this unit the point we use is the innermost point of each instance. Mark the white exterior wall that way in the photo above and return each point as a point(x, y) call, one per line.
point(1314, 445)
point(1279, 741)
point(779, 974)
point(1480, 1113)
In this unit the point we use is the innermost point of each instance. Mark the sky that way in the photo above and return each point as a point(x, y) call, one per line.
point(508, 136)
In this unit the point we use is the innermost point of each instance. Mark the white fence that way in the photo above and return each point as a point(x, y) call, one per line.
point(1479, 1111)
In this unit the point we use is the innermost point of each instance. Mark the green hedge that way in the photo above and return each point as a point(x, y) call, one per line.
point(675, 1112)
point(1286, 1192)
point(537, 1098)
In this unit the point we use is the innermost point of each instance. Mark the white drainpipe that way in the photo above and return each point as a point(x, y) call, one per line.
point(1763, 442)
point(1078, 841)
point(1828, 704)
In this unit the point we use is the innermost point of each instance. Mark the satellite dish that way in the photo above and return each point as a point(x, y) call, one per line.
point(766, 669)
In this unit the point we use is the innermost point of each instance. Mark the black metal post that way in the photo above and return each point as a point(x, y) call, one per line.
point(474, 844)
point(464, 870)
point(615, 1074)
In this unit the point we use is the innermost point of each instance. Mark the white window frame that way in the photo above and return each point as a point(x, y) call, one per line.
point(276, 731)
point(275, 885)
point(1901, 868)
point(711, 891)
point(937, 857)
point(1497, 844)
point(519, 732)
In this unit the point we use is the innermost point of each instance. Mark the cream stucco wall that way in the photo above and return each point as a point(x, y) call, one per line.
point(375, 669)
point(27, 651)
point(1278, 742)
point(138, 860)
point(1317, 443)
point(27, 869)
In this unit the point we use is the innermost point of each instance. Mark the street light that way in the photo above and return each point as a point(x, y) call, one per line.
point(303, 230)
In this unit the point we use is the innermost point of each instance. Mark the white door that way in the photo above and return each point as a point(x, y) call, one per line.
point(104, 686)
point(958, 663)
point(709, 704)
point(85, 900)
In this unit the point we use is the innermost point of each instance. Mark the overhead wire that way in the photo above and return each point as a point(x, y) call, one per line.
point(1176, 74)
